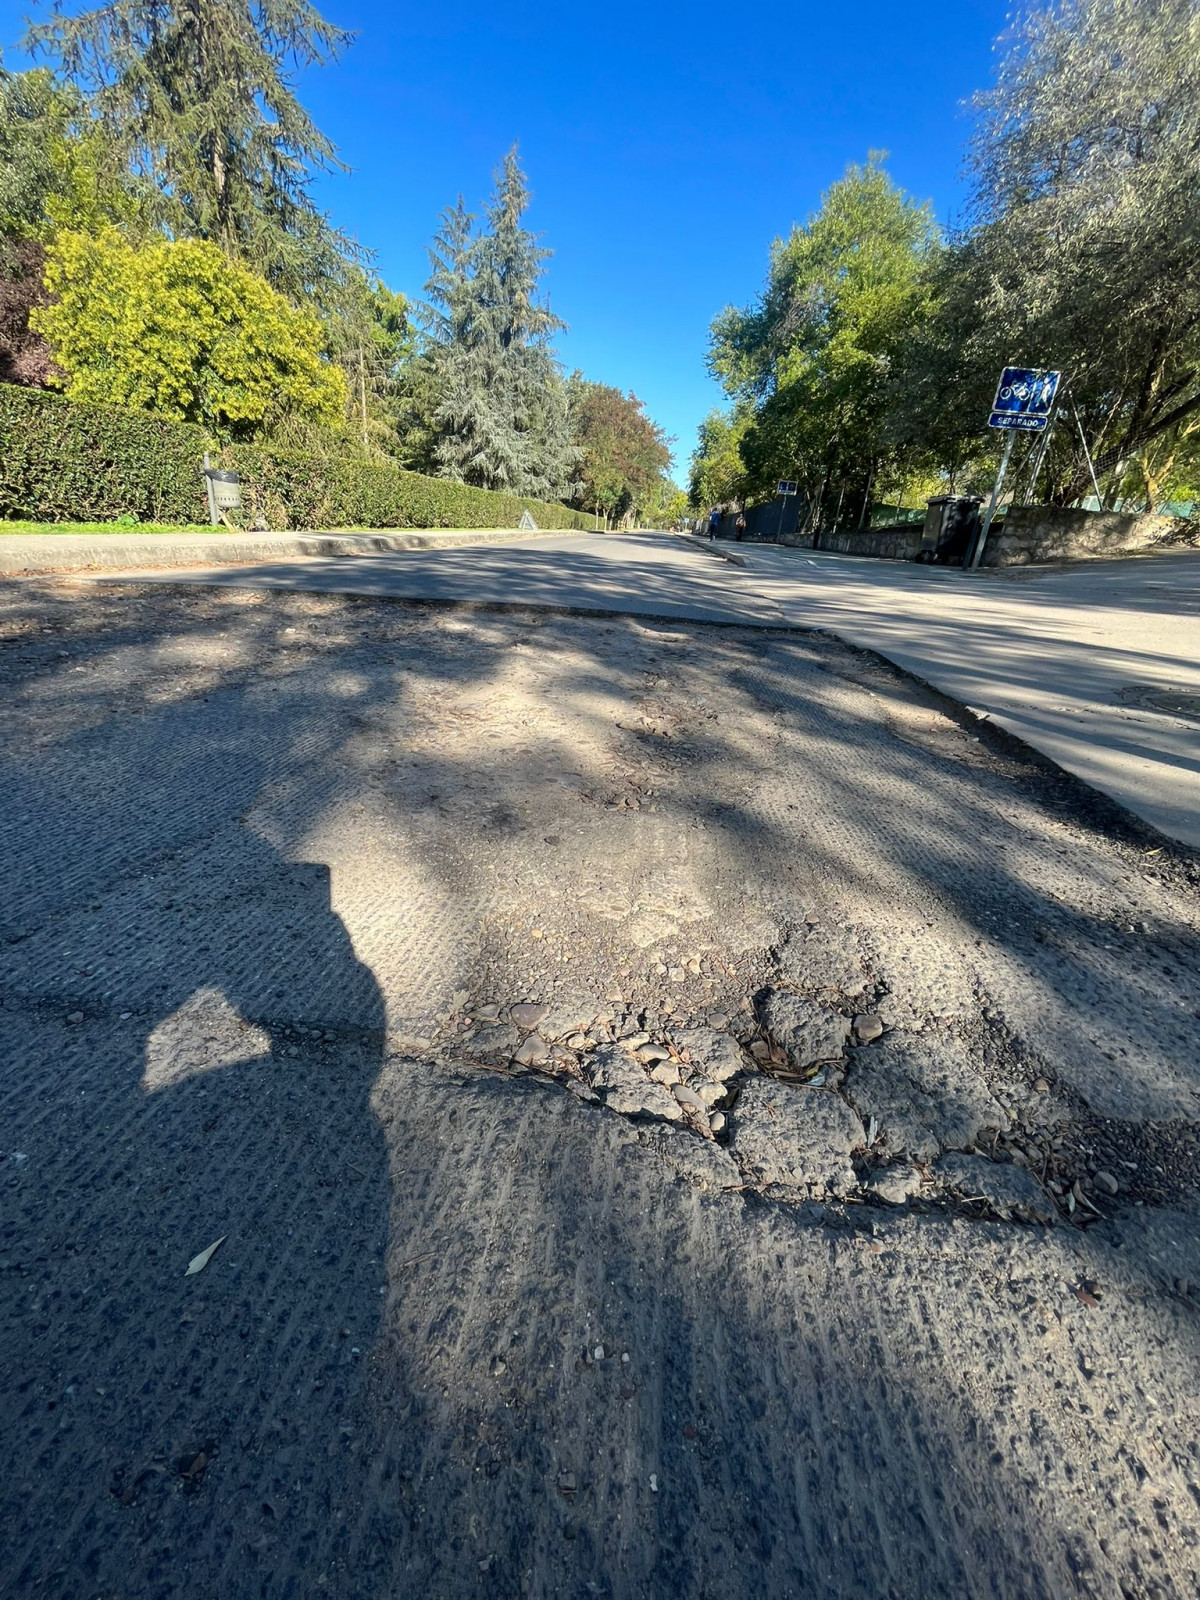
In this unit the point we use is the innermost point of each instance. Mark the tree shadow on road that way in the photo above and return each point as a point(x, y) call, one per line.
point(386, 1378)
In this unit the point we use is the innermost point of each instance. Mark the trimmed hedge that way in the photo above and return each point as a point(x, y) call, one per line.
point(62, 461)
point(291, 489)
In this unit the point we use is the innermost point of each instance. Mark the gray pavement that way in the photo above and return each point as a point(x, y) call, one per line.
point(1097, 667)
point(496, 1312)
point(104, 552)
point(628, 574)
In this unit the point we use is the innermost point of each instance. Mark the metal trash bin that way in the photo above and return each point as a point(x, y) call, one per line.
point(225, 489)
point(951, 522)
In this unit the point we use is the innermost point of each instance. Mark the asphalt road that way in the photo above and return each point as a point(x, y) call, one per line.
point(495, 1318)
point(1097, 667)
point(650, 575)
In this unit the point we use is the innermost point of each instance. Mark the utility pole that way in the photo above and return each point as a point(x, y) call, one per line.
point(866, 505)
point(214, 516)
point(1043, 446)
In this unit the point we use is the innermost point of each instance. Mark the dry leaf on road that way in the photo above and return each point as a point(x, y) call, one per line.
point(198, 1263)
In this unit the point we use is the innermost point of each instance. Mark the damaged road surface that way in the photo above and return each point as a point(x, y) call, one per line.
point(682, 1112)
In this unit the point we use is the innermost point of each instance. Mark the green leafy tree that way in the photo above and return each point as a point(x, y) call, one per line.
point(718, 472)
point(624, 455)
point(666, 507)
point(33, 115)
point(500, 417)
point(372, 340)
point(812, 356)
point(1081, 253)
point(177, 328)
point(199, 97)
point(56, 170)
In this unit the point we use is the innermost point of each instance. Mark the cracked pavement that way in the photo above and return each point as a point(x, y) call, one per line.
point(822, 1220)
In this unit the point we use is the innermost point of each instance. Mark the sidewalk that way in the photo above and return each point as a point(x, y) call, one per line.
point(1096, 666)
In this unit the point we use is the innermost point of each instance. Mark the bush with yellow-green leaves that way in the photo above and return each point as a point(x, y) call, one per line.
point(177, 328)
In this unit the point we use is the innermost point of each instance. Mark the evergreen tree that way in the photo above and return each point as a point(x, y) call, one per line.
point(370, 337)
point(198, 95)
point(501, 419)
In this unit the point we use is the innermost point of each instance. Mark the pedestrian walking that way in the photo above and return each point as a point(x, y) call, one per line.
point(740, 526)
point(714, 522)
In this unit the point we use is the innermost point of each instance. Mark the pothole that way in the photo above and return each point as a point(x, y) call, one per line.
point(1173, 702)
point(805, 1091)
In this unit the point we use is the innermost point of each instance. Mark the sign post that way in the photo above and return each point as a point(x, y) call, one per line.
point(787, 488)
point(214, 516)
point(1023, 404)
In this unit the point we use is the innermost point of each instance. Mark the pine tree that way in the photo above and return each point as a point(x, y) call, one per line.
point(501, 419)
point(198, 95)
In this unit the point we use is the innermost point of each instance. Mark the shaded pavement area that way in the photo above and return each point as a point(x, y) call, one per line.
point(632, 574)
point(1096, 665)
point(278, 866)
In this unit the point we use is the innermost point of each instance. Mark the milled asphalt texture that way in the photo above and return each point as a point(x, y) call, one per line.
point(265, 849)
point(1096, 666)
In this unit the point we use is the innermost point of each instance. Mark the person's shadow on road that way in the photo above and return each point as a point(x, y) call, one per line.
point(191, 1045)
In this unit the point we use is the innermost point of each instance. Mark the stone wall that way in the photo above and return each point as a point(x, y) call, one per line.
point(766, 525)
point(1026, 534)
point(1057, 533)
point(899, 543)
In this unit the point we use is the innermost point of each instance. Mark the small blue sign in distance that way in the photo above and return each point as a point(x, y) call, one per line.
point(786, 486)
point(1024, 399)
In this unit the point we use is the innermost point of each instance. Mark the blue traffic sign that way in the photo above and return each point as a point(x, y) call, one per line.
point(787, 486)
point(1024, 399)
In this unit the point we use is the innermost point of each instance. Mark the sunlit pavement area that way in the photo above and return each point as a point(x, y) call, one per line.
point(1097, 667)
point(671, 1284)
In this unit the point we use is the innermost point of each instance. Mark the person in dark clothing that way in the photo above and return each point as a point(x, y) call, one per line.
point(714, 522)
point(740, 526)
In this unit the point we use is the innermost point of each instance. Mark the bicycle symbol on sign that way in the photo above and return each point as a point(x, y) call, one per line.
point(1024, 399)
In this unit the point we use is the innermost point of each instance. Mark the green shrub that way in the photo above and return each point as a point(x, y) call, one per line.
point(64, 461)
point(291, 489)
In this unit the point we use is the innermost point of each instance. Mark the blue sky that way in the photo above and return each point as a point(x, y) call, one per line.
point(666, 145)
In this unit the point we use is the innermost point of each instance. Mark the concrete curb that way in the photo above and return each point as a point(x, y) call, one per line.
point(79, 552)
point(709, 548)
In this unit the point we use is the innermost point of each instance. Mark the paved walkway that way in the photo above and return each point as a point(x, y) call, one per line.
point(1096, 666)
